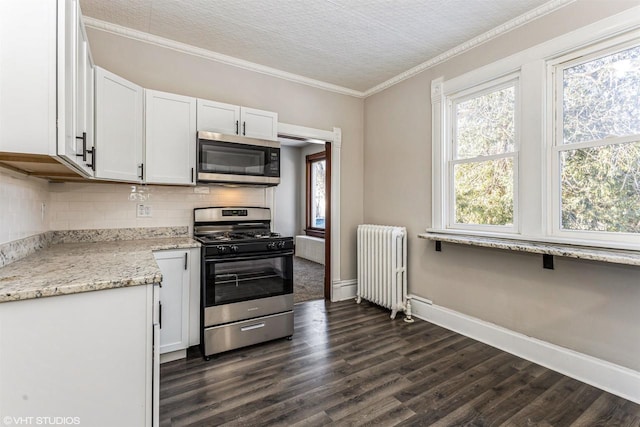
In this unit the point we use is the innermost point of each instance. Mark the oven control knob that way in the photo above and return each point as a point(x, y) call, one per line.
point(271, 245)
point(222, 249)
point(281, 245)
point(234, 248)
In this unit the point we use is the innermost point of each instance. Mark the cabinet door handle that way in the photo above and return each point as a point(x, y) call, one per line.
point(92, 165)
point(244, 128)
point(84, 146)
point(191, 174)
point(237, 121)
point(141, 176)
point(186, 260)
point(160, 314)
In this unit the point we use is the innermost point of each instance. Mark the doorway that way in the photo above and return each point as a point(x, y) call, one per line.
point(314, 222)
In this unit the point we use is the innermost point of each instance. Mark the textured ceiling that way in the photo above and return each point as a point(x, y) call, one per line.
point(356, 44)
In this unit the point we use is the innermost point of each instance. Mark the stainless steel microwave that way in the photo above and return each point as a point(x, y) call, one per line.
point(236, 159)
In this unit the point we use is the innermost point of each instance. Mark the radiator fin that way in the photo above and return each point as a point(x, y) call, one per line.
point(382, 266)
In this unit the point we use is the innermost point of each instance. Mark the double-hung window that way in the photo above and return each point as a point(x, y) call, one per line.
point(544, 145)
point(596, 144)
point(483, 160)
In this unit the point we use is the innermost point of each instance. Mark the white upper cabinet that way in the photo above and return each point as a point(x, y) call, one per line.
point(259, 123)
point(28, 77)
point(75, 108)
point(45, 82)
point(119, 127)
point(170, 138)
point(218, 117)
point(235, 120)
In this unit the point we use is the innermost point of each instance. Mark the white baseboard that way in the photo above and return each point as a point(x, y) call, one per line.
point(615, 379)
point(173, 355)
point(344, 290)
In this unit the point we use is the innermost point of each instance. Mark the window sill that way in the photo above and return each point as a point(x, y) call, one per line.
point(615, 256)
point(314, 233)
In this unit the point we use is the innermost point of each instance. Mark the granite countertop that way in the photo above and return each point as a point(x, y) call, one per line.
point(69, 268)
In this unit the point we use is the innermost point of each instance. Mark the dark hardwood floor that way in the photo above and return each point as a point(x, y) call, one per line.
point(349, 365)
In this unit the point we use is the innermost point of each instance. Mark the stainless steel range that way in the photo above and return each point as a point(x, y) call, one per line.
point(247, 278)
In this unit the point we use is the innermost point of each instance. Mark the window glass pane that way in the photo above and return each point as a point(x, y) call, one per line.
point(318, 194)
point(485, 124)
point(601, 188)
point(601, 98)
point(484, 192)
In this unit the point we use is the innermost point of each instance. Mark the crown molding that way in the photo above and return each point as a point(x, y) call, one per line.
point(214, 56)
point(546, 8)
point(470, 44)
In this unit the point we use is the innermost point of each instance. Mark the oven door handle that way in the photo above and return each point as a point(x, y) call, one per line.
point(251, 258)
point(229, 275)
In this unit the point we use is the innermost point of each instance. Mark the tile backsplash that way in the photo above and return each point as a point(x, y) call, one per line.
point(24, 206)
point(30, 206)
point(78, 206)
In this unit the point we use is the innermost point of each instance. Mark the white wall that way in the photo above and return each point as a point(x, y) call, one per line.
point(21, 200)
point(290, 195)
point(286, 218)
point(76, 206)
point(585, 306)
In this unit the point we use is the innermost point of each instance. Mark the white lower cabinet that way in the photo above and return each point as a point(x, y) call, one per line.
point(179, 271)
point(87, 357)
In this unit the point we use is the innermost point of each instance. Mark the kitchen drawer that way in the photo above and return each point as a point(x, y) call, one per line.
point(217, 315)
point(248, 332)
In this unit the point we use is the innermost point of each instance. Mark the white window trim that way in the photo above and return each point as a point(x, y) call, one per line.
point(536, 136)
point(555, 145)
point(452, 160)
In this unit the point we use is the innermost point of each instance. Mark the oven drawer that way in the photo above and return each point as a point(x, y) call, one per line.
point(219, 314)
point(248, 332)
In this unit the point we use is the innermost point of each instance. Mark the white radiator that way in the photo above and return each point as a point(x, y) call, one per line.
point(382, 266)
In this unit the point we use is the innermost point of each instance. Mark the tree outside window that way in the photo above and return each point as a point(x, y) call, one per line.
point(598, 143)
point(484, 158)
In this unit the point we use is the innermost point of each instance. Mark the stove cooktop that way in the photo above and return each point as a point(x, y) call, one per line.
point(236, 237)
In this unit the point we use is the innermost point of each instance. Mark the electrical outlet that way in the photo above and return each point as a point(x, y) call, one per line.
point(143, 211)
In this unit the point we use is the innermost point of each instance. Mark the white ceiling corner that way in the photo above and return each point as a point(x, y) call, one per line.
point(355, 47)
